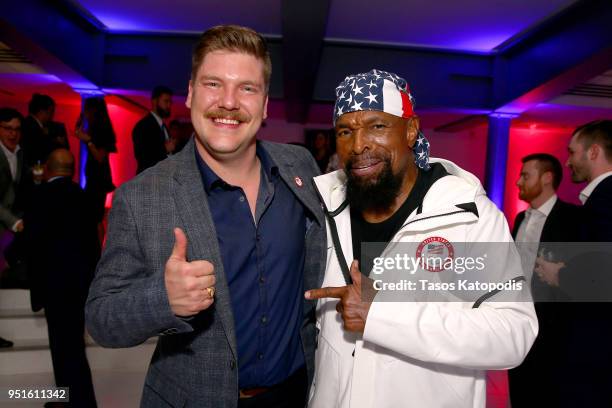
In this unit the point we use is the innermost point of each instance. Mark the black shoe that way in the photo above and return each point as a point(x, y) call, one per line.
point(5, 343)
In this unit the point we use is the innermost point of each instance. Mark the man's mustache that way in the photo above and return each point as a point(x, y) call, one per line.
point(365, 160)
point(225, 114)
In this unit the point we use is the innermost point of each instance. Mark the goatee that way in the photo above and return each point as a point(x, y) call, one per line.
point(163, 113)
point(377, 193)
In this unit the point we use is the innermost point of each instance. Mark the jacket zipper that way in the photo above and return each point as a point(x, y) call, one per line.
point(433, 216)
point(413, 221)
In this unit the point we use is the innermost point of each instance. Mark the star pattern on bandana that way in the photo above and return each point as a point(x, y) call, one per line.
point(371, 98)
point(351, 96)
point(421, 151)
point(366, 92)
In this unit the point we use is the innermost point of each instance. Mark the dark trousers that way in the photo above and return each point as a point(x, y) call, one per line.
point(289, 394)
point(66, 325)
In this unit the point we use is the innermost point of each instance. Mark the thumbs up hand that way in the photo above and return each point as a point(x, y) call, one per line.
point(354, 303)
point(190, 285)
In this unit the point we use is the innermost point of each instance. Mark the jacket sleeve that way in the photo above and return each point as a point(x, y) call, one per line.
point(496, 335)
point(127, 304)
point(148, 148)
point(7, 217)
point(141, 153)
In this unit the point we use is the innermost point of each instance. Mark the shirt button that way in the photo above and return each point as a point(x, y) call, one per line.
point(262, 279)
point(241, 199)
point(264, 320)
point(260, 356)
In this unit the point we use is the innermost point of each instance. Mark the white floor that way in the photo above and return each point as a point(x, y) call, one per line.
point(113, 389)
point(118, 374)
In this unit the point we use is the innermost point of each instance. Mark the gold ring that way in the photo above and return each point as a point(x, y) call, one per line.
point(211, 292)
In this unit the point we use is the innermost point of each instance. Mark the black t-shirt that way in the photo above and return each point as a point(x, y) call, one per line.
point(363, 231)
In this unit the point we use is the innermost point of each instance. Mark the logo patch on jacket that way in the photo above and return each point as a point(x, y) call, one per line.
point(434, 252)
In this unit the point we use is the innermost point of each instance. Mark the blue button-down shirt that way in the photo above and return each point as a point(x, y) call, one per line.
point(263, 259)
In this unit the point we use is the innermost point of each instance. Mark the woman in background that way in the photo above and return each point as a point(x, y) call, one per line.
point(94, 128)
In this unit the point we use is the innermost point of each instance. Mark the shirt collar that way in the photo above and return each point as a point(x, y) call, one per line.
point(56, 178)
point(546, 208)
point(212, 180)
point(157, 118)
point(38, 121)
point(588, 190)
point(7, 151)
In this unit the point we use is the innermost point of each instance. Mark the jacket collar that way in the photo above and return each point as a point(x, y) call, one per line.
point(297, 175)
point(192, 207)
point(450, 199)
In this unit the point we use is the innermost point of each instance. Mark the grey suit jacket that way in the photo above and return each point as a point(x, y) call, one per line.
point(194, 363)
point(8, 190)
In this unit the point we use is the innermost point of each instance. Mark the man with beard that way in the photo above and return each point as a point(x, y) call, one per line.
point(548, 219)
point(212, 248)
point(586, 278)
point(152, 142)
point(376, 353)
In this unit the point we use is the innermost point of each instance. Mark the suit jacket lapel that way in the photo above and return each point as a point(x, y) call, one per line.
point(19, 166)
point(156, 125)
point(299, 180)
point(193, 209)
point(517, 223)
point(549, 230)
point(4, 165)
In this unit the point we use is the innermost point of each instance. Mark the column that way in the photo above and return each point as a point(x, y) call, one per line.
point(497, 156)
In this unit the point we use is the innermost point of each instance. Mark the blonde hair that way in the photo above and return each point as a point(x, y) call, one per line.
point(232, 38)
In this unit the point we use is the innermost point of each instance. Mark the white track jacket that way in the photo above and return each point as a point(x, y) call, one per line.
point(413, 353)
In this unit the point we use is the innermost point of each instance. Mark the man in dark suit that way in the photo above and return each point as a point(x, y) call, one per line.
point(213, 248)
point(36, 141)
point(61, 237)
point(548, 219)
point(152, 142)
point(11, 172)
point(587, 277)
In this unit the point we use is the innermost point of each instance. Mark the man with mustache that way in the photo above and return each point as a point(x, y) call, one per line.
point(213, 248)
point(152, 142)
point(377, 353)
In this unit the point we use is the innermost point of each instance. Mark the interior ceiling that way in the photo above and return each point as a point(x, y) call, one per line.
point(186, 16)
point(19, 87)
point(466, 26)
point(596, 92)
point(12, 62)
point(469, 26)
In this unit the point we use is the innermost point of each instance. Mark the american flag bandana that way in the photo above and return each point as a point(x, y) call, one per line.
point(380, 91)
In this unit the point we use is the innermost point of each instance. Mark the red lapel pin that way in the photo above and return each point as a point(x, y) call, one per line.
point(298, 181)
